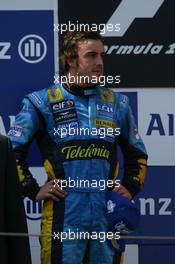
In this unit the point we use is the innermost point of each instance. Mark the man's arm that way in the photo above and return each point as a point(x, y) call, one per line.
point(26, 125)
point(134, 153)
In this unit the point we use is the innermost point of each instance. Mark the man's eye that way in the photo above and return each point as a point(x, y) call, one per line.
point(92, 55)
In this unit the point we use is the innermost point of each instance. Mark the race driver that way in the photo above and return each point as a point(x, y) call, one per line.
point(55, 116)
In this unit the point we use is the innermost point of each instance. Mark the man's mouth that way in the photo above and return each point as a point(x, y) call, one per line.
point(97, 72)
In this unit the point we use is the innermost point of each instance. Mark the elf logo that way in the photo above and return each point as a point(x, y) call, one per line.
point(128, 11)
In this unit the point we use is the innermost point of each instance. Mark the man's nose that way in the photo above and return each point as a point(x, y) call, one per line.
point(99, 60)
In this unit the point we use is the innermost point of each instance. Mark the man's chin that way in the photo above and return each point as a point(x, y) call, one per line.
point(97, 74)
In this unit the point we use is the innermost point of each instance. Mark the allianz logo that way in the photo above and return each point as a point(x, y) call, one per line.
point(148, 206)
point(156, 206)
point(31, 49)
point(33, 209)
point(161, 124)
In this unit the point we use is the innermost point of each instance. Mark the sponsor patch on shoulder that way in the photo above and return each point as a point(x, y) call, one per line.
point(107, 95)
point(55, 95)
point(15, 131)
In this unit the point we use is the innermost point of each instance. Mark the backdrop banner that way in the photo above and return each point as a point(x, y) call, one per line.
point(138, 35)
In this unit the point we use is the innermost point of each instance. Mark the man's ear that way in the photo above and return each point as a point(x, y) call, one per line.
point(71, 62)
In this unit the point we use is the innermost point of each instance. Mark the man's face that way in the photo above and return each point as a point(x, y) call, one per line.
point(90, 59)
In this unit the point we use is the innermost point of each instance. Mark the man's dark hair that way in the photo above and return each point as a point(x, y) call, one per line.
point(69, 46)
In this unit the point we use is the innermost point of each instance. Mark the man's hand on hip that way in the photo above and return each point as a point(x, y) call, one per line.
point(123, 191)
point(50, 190)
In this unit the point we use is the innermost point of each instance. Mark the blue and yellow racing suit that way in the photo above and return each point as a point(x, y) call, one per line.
point(78, 131)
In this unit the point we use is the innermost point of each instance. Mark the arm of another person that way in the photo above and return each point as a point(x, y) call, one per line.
point(18, 247)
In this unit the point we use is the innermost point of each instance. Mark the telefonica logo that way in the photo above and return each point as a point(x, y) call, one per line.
point(78, 152)
point(128, 11)
point(32, 48)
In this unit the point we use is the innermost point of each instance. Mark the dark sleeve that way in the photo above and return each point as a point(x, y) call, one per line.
point(29, 185)
point(134, 153)
point(18, 247)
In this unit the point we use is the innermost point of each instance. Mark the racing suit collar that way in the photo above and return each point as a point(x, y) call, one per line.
point(80, 91)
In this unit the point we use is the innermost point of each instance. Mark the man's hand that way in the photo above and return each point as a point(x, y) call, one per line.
point(50, 190)
point(123, 191)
